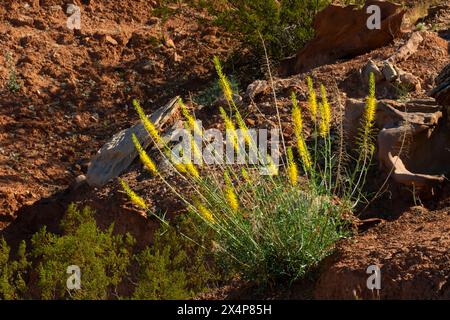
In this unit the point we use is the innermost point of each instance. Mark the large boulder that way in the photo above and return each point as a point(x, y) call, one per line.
point(342, 33)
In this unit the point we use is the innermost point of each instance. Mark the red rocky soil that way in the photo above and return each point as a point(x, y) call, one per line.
point(77, 87)
point(76, 93)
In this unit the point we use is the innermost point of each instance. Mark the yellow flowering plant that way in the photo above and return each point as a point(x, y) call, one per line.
point(275, 226)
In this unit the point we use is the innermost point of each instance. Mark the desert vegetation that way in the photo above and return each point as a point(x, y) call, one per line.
point(113, 268)
point(269, 228)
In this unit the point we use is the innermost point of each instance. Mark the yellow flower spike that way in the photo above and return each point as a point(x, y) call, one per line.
point(149, 164)
point(230, 195)
point(325, 112)
point(297, 118)
point(271, 167)
point(180, 167)
point(229, 125)
point(312, 99)
point(137, 200)
point(292, 168)
point(371, 104)
point(372, 85)
point(149, 126)
point(196, 152)
point(241, 123)
point(304, 153)
point(245, 175)
point(177, 164)
point(193, 125)
point(204, 212)
point(366, 143)
point(192, 170)
point(224, 83)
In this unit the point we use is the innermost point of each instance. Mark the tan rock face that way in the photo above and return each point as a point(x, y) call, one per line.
point(342, 32)
point(411, 141)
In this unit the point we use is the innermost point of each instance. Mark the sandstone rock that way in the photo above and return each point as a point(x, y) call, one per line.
point(40, 24)
point(408, 81)
point(22, 21)
point(370, 67)
point(389, 72)
point(410, 143)
point(168, 42)
point(257, 87)
point(408, 49)
point(119, 152)
point(442, 90)
point(342, 33)
point(177, 57)
point(111, 40)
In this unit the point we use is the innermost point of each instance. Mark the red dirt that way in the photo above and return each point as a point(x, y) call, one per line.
point(77, 88)
point(412, 252)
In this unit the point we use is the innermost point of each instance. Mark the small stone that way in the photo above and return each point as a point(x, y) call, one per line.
point(22, 21)
point(169, 43)
point(40, 24)
point(111, 40)
point(409, 81)
point(79, 181)
point(370, 67)
point(389, 72)
point(78, 120)
point(176, 57)
point(256, 88)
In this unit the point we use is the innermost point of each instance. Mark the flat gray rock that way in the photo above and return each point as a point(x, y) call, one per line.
point(119, 152)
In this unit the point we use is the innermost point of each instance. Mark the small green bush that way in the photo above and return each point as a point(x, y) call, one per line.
point(208, 96)
point(13, 84)
point(172, 268)
point(284, 25)
point(102, 257)
point(13, 272)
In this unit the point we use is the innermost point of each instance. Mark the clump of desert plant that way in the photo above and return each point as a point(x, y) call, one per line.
point(13, 85)
point(280, 225)
point(285, 26)
point(13, 272)
point(174, 267)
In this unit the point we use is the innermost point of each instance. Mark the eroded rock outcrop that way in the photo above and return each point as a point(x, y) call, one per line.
point(442, 90)
point(412, 142)
point(342, 33)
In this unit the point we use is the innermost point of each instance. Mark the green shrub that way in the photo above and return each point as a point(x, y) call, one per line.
point(13, 272)
point(172, 268)
point(284, 25)
point(208, 96)
point(103, 258)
